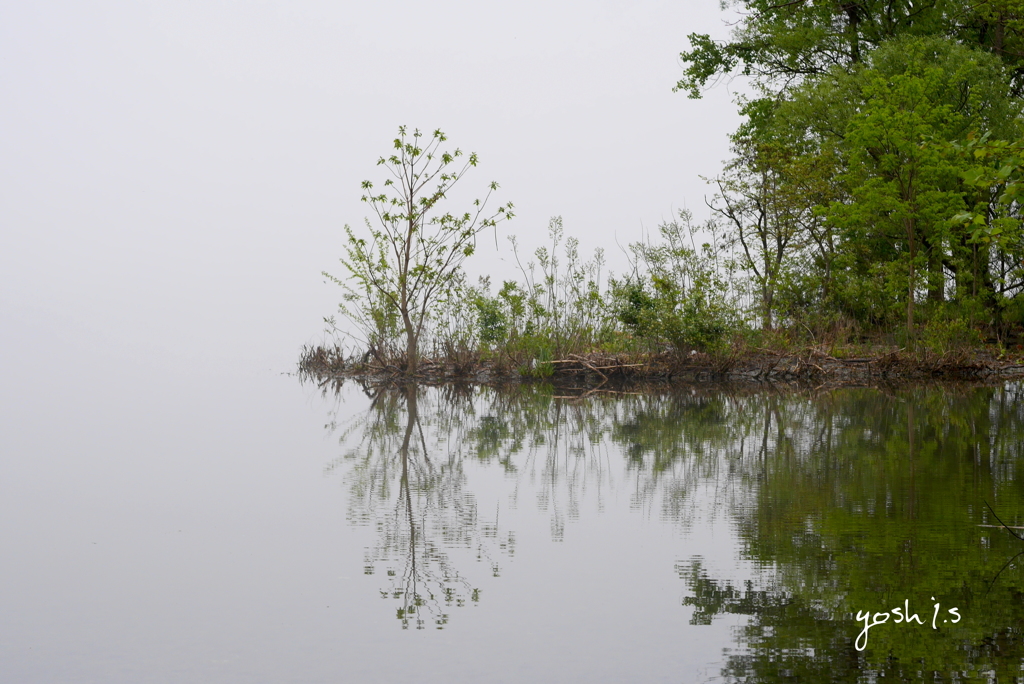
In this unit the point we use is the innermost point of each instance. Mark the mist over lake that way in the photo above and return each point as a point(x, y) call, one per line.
point(179, 503)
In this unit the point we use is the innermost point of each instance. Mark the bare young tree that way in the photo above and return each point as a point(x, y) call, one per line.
point(413, 256)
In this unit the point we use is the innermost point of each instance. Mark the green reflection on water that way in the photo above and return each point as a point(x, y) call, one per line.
point(864, 501)
point(848, 500)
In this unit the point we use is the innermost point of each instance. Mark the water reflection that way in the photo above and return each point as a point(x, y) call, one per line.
point(414, 494)
point(843, 501)
point(871, 501)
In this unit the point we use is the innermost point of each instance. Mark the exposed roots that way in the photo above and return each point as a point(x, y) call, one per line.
point(615, 372)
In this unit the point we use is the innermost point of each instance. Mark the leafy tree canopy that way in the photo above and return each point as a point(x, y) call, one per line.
point(780, 43)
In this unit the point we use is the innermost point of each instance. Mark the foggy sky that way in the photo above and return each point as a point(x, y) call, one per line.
point(176, 175)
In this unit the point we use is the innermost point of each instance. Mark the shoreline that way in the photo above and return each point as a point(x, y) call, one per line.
point(629, 372)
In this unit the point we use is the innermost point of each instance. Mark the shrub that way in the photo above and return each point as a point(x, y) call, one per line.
point(685, 299)
point(945, 335)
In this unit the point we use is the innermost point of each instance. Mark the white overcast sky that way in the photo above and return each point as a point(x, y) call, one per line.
point(176, 175)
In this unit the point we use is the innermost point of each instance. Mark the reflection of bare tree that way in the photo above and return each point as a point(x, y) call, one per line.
point(772, 463)
point(561, 451)
point(841, 501)
point(555, 449)
point(425, 521)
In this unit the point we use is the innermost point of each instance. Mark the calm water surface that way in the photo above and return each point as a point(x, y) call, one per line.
point(241, 526)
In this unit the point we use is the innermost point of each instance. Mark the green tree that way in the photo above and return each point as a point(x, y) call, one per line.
point(766, 196)
point(914, 96)
point(873, 91)
point(414, 254)
point(844, 185)
point(780, 44)
point(992, 235)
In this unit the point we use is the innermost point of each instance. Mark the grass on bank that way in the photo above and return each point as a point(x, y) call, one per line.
point(680, 307)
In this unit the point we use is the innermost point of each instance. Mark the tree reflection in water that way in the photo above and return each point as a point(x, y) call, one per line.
point(846, 500)
point(864, 500)
point(412, 491)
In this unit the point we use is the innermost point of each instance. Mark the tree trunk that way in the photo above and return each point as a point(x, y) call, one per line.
point(411, 338)
point(412, 352)
point(405, 490)
point(936, 275)
point(910, 284)
point(853, 29)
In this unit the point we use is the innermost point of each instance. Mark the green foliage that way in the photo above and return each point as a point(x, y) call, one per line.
point(879, 167)
point(638, 309)
point(491, 319)
point(846, 195)
point(944, 335)
point(539, 352)
point(374, 315)
point(411, 258)
point(766, 199)
point(993, 252)
point(780, 44)
point(916, 96)
point(560, 298)
point(683, 300)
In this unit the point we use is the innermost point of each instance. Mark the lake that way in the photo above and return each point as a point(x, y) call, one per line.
point(240, 525)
